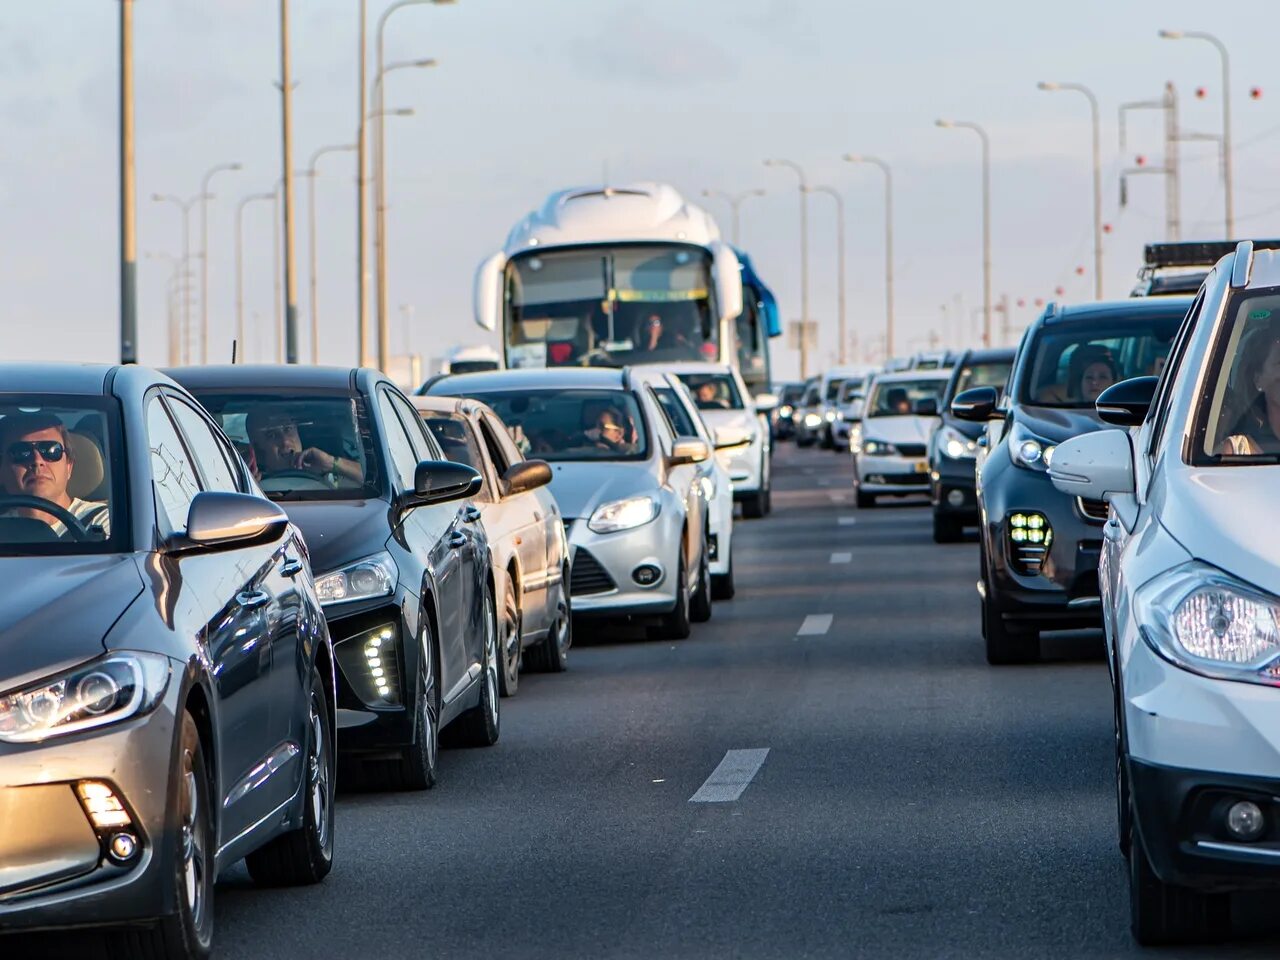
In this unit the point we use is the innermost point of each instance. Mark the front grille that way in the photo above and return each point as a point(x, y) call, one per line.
point(911, 449)
point(1095, 510)
point(588, 576)
point(900, 479)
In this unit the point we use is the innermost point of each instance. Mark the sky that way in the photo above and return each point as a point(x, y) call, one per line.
point(530, 97)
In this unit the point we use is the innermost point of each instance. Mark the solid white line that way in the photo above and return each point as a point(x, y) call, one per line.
point(731, 777)
point(815, 625)
point(847, 521)
point(842, 558)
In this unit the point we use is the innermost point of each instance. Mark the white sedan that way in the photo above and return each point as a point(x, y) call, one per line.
point(890, 443)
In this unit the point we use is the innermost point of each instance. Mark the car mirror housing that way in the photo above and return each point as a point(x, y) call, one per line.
point(440, 481)
point(1126, 403)
point(926, 407)
point(687, 450)
point(219, 519)
point(1095, 466)
point(977, 405)
point(765, 402)
point(730, 438)
point(526, 475)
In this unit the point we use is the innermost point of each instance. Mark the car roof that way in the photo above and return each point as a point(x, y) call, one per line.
point(912, 376)
point(695, 367)
point(88, 379)
point(988, 355)
point(225, 376)
point(1135, 307)
point(431, 404)
point(463, 384)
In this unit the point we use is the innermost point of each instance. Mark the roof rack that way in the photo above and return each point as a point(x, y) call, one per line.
point(1200, 253)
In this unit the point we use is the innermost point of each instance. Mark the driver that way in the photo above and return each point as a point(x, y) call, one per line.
point(709, 396)
point(38, 462)
point(612, 432)
point(277, 449)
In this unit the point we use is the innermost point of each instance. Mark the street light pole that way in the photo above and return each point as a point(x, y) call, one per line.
point(804, 261)
point(986, 219)
point(362, 221)
point(290, 260)
point(205, 197)
point(735, 201)
point(128, 195)
point(240, 341)
point(1227, 176)
point(1097, 175)
point(843, 352)
point(185, 206)
point(888, 243)
point(312, 173)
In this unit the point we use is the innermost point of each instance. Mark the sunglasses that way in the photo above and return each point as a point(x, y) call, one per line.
point(24, 451)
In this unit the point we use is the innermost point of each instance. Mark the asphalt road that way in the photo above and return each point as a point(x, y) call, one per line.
point(913, 802)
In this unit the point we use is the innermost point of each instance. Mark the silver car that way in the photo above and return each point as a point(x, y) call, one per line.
point(628, 487)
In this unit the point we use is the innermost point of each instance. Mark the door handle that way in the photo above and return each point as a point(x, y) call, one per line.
point(291, 567)
point(253, 599)
point(470, 514)
point(457, 540)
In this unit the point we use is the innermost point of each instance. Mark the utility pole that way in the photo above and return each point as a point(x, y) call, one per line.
point(128, 195)
point(362, 191)
point(290, 261)
point(843, 352)
point(888, 243)
point(312, 173)
point(986, 219)
point(804, 261)
point(205, 197)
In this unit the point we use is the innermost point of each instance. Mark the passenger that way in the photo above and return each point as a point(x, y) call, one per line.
point(277, 449)
point(38, 462)
point(1257, 430)
point(1090, 371)
point(897, 401)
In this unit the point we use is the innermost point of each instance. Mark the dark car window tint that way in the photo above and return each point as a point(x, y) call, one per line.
point(404, 461)
point(713, 391)
point(511, 453)
point(570, 424)
point(419, 438)
point(205, 447)
point(453, 436)
point(172, 474)
point(681, 422)
point(496, 453)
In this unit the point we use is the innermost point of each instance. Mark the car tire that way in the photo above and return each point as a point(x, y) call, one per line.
point(946, 529)
point(700, 603)
point(1007, 644)
point(481, 725)
point(676, 624)
point(1161, 914)
point(188, 932)
point(551, 655)
point(419, 764)
point(722, 586)
point(509, 642)
point(864, 501)
point(305, 855)
point(755, 506)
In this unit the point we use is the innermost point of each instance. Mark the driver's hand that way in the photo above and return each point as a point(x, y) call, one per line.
point(314, 460)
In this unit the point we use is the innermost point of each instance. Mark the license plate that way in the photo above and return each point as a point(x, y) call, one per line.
point(922, 467)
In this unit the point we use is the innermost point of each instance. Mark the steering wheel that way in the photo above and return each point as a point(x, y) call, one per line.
point(292, 480)
point(79, 532)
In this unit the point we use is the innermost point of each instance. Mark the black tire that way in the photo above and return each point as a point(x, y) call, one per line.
point(756, 505)
point(1161, 914)
point(509, 641)
point(864, 501)
point(551, 655)
point(722, 586)
point(946, 529)
point(1007, 644)
point(676, 624)
point(187, 933)
point(768, 499)
point(481, 725)
point(700, 603)
point(305, 855)
point(419, 764)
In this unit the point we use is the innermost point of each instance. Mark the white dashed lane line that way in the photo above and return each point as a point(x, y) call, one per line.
point(731, 777)
point(842, 558)
point(815, 625)
point(847, 521)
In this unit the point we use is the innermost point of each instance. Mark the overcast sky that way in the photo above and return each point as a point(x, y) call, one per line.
point(533, 96)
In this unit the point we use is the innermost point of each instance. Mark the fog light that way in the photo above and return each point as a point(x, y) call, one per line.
point(102, 806)
point(713, 546)
point(1018, 520)
point(1245, 821)
point(123, 846)
point(955, 498)
point(1018, 535)
point(646, 575)
point(370, 661)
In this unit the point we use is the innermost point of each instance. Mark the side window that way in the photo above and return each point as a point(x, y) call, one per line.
point(496, 453)
point(207, 448)
point(404, 460)
point(173, 476)
point(424, 445)
point(1160, 405)
point(661, 423)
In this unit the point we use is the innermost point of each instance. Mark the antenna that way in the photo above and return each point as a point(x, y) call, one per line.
point(234, 343)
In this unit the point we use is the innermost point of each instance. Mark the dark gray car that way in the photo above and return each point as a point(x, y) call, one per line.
point(166, 676)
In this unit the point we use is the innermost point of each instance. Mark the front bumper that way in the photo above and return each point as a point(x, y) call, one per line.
point(891, 474)
point(602, 581)
point(840, 431)
point(953, 489)
point(365, 726)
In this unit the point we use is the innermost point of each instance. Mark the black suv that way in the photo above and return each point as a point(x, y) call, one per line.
point(1039, 548)
point(953, 448)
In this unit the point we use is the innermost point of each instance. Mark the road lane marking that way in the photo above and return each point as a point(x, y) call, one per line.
point(841, 557)
point(731, 777)
point(847, 521)
point(815, 625)
point(838, 497)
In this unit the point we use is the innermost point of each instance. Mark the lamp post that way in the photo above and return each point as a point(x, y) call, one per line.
point(888, 243)
point(286, 169)
point(205, 197)
point(362, 176)
point(185, 206)
point(1227, 185)
point(804, 261)
point(312, 173)
point(240, 264)
point(1097, 175)
point(128, 195)
point(735, 201)
point(986, 219)
point(834, 194)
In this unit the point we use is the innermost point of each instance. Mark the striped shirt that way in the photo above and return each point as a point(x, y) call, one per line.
point(90, 513)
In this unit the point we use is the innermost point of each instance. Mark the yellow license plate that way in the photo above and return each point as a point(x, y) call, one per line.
point(922, 467)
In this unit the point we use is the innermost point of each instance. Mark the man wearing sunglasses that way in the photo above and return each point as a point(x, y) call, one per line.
point(37, 460)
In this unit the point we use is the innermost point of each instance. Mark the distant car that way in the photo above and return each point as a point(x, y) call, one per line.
point(403, 566)
point(808, 418)
point(829, 386)
point(889, 444)
point(848, 410)
point(1178, 268)
point(1038, 549)
point(933, 360)
point(789, 395)
point(1190, 587)
point(635, 511)
point(166, 678)
point(953, 448)
point(524, 529)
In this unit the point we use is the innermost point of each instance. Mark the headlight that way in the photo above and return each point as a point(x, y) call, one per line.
point(374, 576)
point(1028, 450)
point(108, 690)
point(956, 445)
point(786, 410)
point(878, 448)
point(623, 514)
point(812, 420)
point(708, 485)
point(1205, 621)
point(830, 415)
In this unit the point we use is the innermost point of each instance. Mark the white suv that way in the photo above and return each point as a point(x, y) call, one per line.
point(1190, 588)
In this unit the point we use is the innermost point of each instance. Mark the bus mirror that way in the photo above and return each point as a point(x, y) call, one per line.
point(488, 290)
point(727, 274)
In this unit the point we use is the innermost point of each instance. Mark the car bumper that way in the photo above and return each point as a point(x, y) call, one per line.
point(55, 870)
point(744, 471)
point(602, 581)
point(891, 474)
point(840, 434)
point(953, 489)
point(366, 725)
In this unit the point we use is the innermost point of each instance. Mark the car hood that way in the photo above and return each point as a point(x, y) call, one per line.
point(581, 487)
point(338, 532)
point(1221, 519)
point(58, 610)
point(906, 429)
point(1055, 424)
point(730, 419)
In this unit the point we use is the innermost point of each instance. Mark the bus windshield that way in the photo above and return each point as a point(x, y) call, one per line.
point(610, 306)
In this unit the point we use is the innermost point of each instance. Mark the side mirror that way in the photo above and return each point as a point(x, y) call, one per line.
point(1126, 403)
point(687, 450)
point(977, 405)
point(217, 519)
point(440, 481)
point(488, 290)
point(765, 402)
point(526, 475)
point(926, 407)
point(1096, 466)
point(730, 438)
point(727, 274)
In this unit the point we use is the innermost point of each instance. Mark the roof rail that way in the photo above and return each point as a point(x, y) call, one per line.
point(1242, 265)
point(1199, 253)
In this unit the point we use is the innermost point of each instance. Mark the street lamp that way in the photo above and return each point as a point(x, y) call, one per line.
point(835, 195)
point(128, 195)
point(986, 219)
point(1097, 175)
point(888, 243)
point(205, 197)
point(735, 201)
point(1226, 114)
point(312, 173)
point(272, 196)
point(804, 260)
point(185, 206)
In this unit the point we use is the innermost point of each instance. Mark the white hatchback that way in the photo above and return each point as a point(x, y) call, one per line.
point(1190, 588)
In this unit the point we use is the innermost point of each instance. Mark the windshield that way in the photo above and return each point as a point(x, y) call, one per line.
point(1069, 365)
point(568, 424)
point(610, 306)
point(713, 391)
point(300, 446)
point(1239, 416)
point(833, 390)
point(61, 469)
point(994, 374)
point(897, 398)
point(849, 388)
point(791, 393)
point(454, 438)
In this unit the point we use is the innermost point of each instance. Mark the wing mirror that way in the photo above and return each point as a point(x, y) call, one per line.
point(217, 519)
point(441, 481)
point(687, 450)
point(1126, 403)
point(926, 407)
point(730, 438)
point(765, 402)
point(1095, 466)
point(526, 475)
point(487, 292)
point(977, 405)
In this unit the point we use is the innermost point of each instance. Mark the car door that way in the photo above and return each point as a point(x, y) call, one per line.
point(682, 479)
